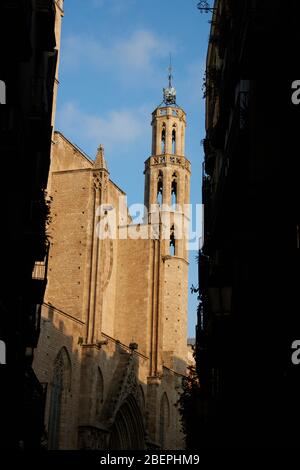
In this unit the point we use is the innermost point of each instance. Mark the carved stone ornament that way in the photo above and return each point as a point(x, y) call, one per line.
point(97, 181)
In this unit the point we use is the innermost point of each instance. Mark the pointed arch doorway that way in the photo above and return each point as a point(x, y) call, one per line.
point(127, 432)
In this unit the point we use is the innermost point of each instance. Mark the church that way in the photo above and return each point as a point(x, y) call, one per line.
point(112, 351)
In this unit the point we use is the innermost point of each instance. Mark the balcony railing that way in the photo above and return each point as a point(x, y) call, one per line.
point(39, 272)
point(168, 159)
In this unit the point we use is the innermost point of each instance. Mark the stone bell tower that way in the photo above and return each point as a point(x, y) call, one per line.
point(167, 193)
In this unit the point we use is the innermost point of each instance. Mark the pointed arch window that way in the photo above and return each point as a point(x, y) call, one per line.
point(174, 189)
point(99, 393)
point(163, 139)
point(160, 183)
point(172, 242)
point(164, 422)
point(61, 385)
point(174, 140)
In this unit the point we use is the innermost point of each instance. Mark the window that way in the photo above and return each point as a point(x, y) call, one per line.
point(172, 242)
point(174, 140)
point(164, 420)
point(61, 384)
point(174, 189)
point(99, 393)
point(2, 352)
point(159, 197)
point(163, 140)
point(2, 92)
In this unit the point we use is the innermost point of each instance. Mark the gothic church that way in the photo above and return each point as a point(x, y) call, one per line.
point(113, 345)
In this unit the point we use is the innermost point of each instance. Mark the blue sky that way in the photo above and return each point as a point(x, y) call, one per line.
point(114, 60)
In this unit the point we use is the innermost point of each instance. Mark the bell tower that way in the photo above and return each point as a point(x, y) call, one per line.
point(167, 194)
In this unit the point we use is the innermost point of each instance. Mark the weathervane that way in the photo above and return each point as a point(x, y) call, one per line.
point(170, 92)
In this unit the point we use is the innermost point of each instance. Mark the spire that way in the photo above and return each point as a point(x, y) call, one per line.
point(170, 72)
point(170, 92)
point(100, 159)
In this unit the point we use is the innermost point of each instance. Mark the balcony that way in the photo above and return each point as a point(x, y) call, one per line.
point(39, 279)
point(40, 268)
point(39, 272)
point(166, 159)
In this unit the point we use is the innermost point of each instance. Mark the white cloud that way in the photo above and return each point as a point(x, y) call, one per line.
point(130, 56)
point(116, 128)
point(140, 50)
point(192, 82)
point(77, 50)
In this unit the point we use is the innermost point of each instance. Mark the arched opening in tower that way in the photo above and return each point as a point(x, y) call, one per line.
point(174, 190)
point(172, 242)
point(174, 140)
point(159, 196)
point(163, 140)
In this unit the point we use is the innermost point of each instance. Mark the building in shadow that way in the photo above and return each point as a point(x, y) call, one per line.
point(27, 85)
point(248, 316)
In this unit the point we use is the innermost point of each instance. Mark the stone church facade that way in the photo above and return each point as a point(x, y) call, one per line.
point(113, 345)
